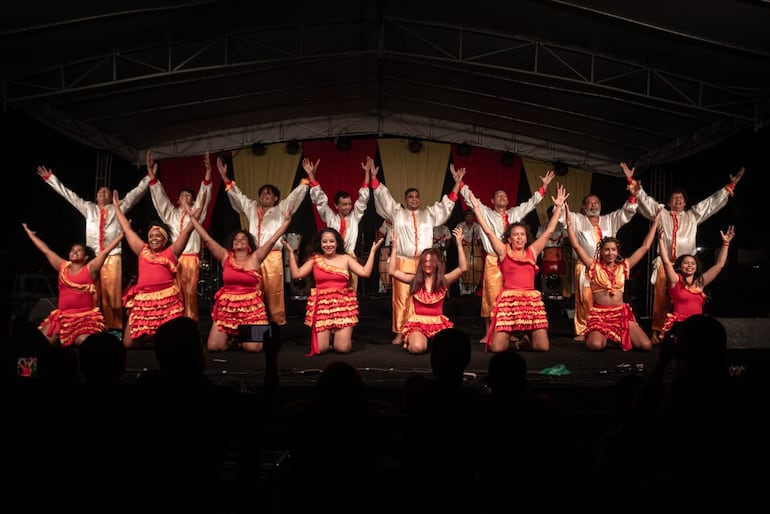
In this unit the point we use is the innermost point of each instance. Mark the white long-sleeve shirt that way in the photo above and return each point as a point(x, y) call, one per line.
point(499, 221)
point(414, 229)
point(175, 217)
point(333, 219)
point(589, 235)
point(101, 224)
point(681, 229)
point(264, 225)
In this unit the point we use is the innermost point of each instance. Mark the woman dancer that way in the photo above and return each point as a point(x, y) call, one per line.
point(519, 306)
point(155, 298)
point(332, 307)
point(686, 281)
point(610, 318)
point(76, 316)
point(240, 300)
point(428, 288)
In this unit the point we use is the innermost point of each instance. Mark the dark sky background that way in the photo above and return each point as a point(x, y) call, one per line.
point(741, 289)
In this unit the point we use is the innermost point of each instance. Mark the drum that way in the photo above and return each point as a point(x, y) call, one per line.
point(553, 271)
point(553, 261)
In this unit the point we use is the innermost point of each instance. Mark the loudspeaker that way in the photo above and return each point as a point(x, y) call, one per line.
point(42, 308)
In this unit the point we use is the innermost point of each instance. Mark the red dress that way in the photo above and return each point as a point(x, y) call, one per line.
point(427, 314)
point(332, 303)
point(686, 301)
point(76, 313)
point(155, 298)
point(519, 306)
point(239, 301)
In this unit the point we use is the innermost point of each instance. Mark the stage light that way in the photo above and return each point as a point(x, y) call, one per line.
point(292, 147)
point(560, 168)
point(258, 149)
point(508, 159)
point(343, 144)
point(415, 146)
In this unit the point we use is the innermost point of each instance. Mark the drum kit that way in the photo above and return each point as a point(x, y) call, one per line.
point(552, 273)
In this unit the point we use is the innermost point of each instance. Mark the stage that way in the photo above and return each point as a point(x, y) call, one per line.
point(385, 366)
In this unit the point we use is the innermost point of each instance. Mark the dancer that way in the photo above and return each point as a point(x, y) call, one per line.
point(265, 216)
point(189, 267)
point(101, 229)
point(680, 230)
point(610, 318)
point(76, 315)
point(415, 232)
point(155, 298)
point(239, 301)
point(591, 226)
point(428, 287)
point(348, 216)
point(519, 306)
point(332, 307)
point(499, 217)
point(686, 282)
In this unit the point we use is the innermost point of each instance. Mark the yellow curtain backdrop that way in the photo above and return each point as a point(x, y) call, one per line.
point(276, 166)
point(424, 170)
point(577, 182)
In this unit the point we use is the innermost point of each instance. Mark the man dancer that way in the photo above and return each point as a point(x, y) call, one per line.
point(414, 230)
point(101, 228)
point(498, 217)
point(590, 227)
point(188, 265)
point(346, 219)
point(265, 216)
point(680, 230)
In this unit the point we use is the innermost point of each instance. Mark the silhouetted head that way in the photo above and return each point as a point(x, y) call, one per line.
point(178, 347)
point(450, 354)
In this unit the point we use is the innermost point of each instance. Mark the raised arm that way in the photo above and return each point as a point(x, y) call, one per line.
point(399, 275)
point(97, 262)
point(672, 277)
point(640, 252)
point(296, 271)
point(266, 248)
point(218, 251)
point(462, 262)
point(177, 246)
point(586, 259)
point(710, 274)
point(366, 269)
point(497, 245)
point(54, 259)
point(132, 238)
point(558, 204)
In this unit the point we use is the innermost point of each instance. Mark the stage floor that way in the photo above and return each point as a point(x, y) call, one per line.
point(386, 365)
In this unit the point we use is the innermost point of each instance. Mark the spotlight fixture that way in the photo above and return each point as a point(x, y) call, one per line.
point(560, 168)
point(292, 147)
point(258, 148)
point(415, 146)
point(343, 144)
point(464, 149)
point(508, 158)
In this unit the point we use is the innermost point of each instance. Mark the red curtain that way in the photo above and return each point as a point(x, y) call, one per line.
point(485, 174)
point(339, 170)
point(188, 172)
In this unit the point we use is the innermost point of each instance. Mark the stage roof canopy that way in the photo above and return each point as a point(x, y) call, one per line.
point(589, 83)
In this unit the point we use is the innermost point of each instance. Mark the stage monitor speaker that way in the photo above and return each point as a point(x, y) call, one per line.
point(42, 308)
